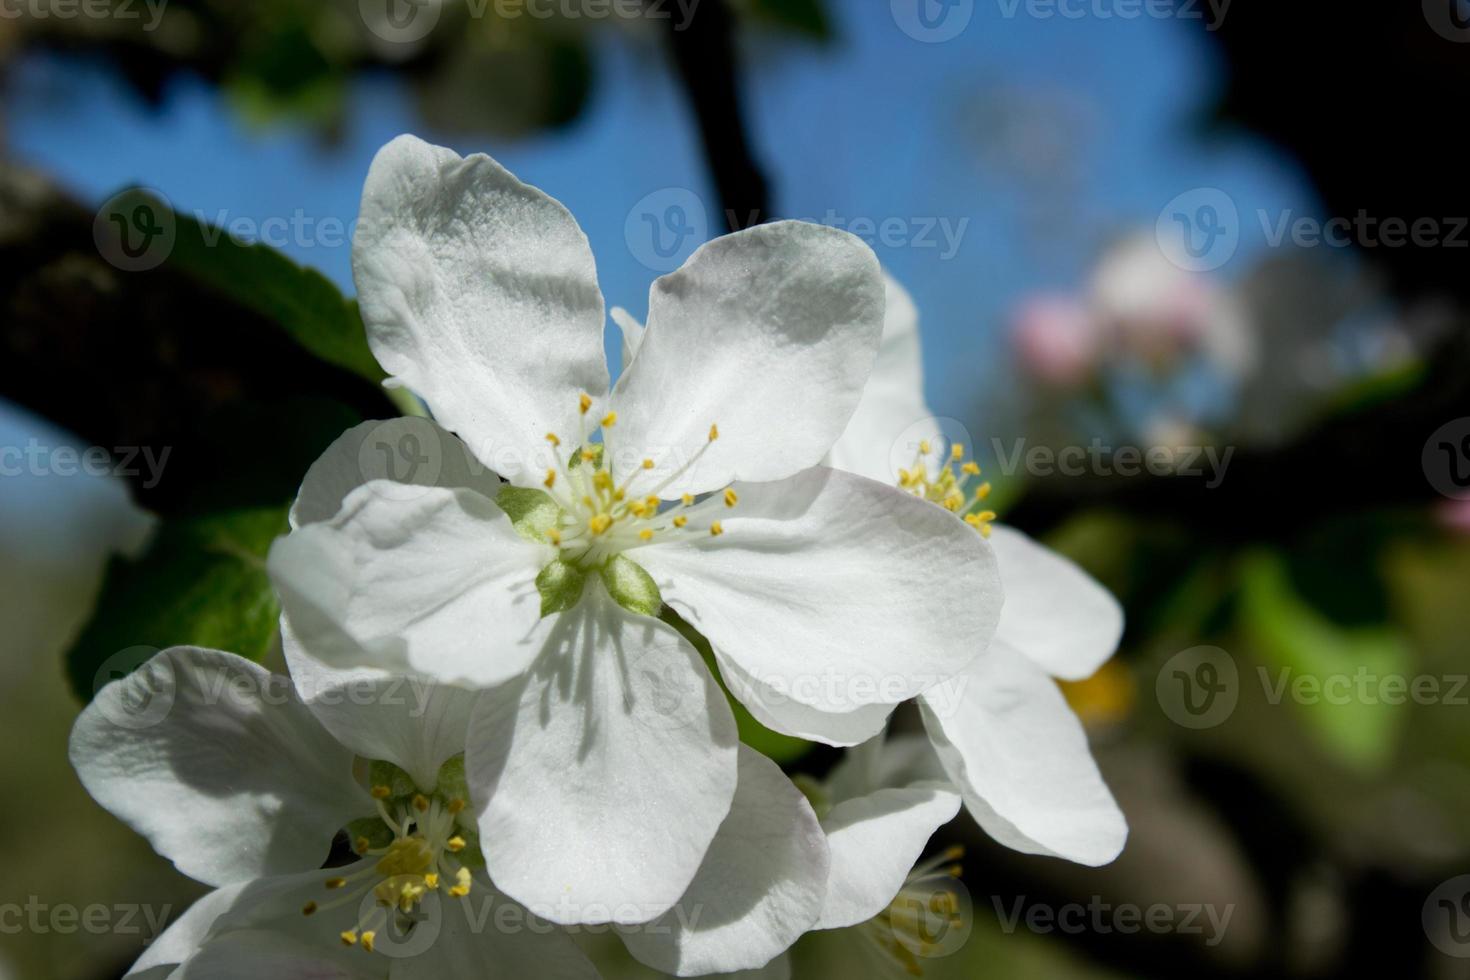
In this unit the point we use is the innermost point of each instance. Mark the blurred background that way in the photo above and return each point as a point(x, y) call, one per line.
point(1193, 281)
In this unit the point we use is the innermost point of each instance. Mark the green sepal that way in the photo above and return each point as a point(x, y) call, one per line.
point(399, 783)
point(560, 584)
point(631, 587)
point(452, 784)
point(532, 512)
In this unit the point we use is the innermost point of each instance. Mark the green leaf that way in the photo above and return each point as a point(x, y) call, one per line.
point(631, 587)
point(201, 582)
point(301, 301)
point(560, 584)
point(532, 513)
point(778, 748)
point(1299, 645)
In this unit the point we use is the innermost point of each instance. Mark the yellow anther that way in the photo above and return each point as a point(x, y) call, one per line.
point(334, 883)
point(602, 480)
point(714, 432)
point(432, 879)
point(730, 499)
point(588, 456)
point(362, 845)
point(954, 852)
point(367, 940)
point(600, 523)
point(382, 792)
point(554, 536)
point(637, 508)
point(585, 402)
point(421, 803)
point(982, 491)
point(924, 447)
point(455, 844)
point(716, 529)
point(455, 805)
point(646, 534)
point(648, 464)
point(680, 521)
point(954, 501)
point(550, 480)
point(609, 420)
point(461, 883)
point(551, 437)
point(349, 938)
point(688, 499)
point(972, 468)
point(619, 494)
point(309, 908)
point(956, 452)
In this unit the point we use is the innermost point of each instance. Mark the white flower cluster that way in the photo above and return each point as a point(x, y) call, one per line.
point(572, 759)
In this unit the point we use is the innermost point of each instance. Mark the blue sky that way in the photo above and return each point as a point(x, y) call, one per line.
point(1001, 160)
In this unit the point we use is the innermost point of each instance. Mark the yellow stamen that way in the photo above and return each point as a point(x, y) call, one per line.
point(588, 456)
point(421, 803)
point(714, 432)
point(554, 536)
point(600, 523)
point(688, 499)
point(335, 883)
point(730, 499)
point(956, 452)
point(648, 464)
point(432, 879)
point(972, 467)
point(462, 883)
point(924, 447)
point(455, 844)
point(362, 845)
point(367, 940)
point(349, 938)
point(585, 403)
point(552, 438)
point(455, 806)
point(680, 521)
point(609, 420)
point(308, 908)
point(382, 792)
point(646, 534)
point(550, 480)
point(716, 529)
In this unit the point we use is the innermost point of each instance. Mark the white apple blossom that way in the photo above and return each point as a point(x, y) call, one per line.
point(236, 781)
point(1002, 728)
point(603, 754)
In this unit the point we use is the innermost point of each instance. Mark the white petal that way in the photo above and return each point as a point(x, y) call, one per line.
point(761, 885)
point(875, 841)
point(479, 293)
point(1009, 741)
point(836, 591)
point(400, 718)
point(893, 400)
point(218, 764)
point(488, 935)
point(185, 934)
point(408, 452)
point(769, 333)
point(440, 585)
point(602, 777)
point(632, 332)
point(780, 713)
point(1055, 613)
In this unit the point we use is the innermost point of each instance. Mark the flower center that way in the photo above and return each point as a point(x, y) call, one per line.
point(420, 847)
point(600, 518)
point(948, 488)
point(923, 913)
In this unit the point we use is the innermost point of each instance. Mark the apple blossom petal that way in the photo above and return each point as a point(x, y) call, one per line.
point(833, 590)
point(602, 776)
point(1055, 613)
point(185, 935)
point(400, 718)
point(439, 585)
point(251, 955)
point(768, 333)
point(780, 713)
point(480, 294)
point(1012, 745)
point(218, 764)
point(761, 885)
point(410, 451)
point(893, 399)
